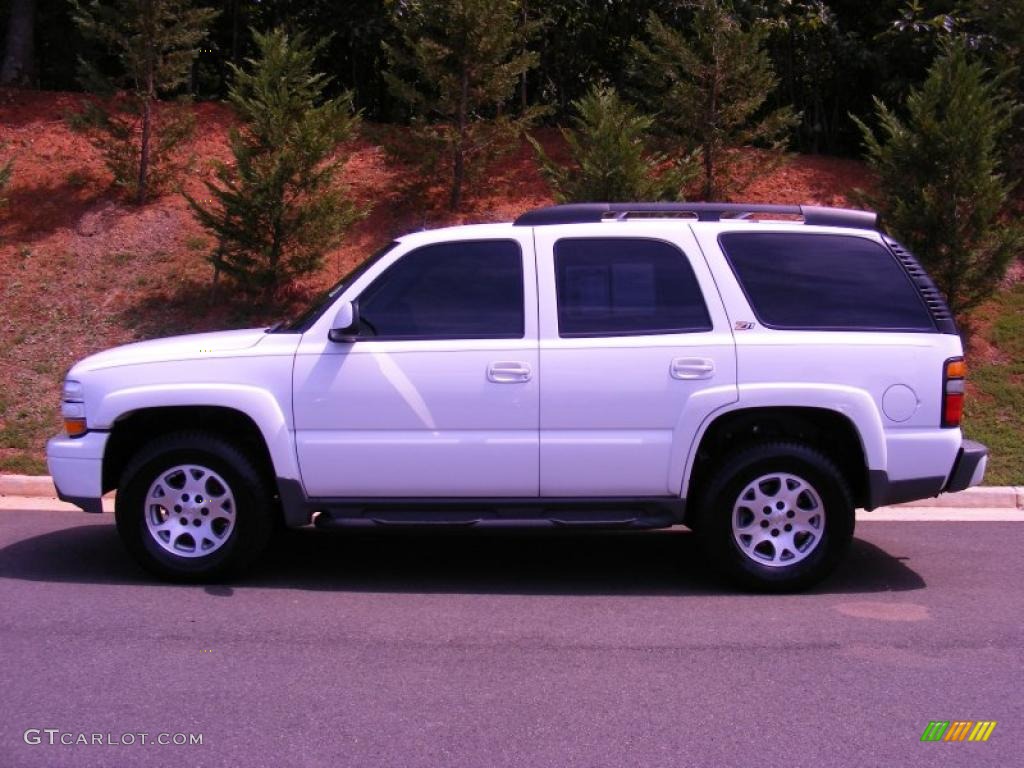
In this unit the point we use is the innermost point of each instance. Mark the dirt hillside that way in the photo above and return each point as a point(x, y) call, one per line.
point(82, 270)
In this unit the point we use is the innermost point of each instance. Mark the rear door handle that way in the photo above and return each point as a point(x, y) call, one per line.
point(691, 368)
point(509, 372)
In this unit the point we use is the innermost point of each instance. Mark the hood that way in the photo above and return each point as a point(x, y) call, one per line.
point(191, 347)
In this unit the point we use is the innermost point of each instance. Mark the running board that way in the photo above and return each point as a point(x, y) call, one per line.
point(499, 513)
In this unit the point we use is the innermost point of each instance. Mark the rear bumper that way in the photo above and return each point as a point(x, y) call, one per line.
point(969, 467)
point(968, 470)
point(76, 464)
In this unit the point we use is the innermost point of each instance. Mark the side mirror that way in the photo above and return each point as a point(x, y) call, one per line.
point(345, 329)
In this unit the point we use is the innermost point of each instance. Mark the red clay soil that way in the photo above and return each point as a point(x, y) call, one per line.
point(83, 269)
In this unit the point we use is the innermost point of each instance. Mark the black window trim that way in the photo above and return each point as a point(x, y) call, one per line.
point(709, 328)
point(449, 337)
point(825, 328)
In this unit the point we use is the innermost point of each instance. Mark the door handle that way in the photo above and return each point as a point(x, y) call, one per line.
point(509, 372)
point(691, 368)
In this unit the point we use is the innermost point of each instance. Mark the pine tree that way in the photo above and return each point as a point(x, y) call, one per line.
point(998, 27)
point(610, 159)
point(940, 187)
point(708, 88)
point(154, 43)
point(277, 209)
point(5, 179)
point(456, 70)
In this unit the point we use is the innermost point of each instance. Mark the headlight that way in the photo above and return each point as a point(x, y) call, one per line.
point(72, 408)
point(72, 391)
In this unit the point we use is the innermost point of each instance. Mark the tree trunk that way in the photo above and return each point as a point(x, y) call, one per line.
point(459, 150)
point(273, 273)
point(458, 172)
point(709, 171)
point(216, 260)
point(147, 128)
point(711, 118)
point(523, 101)
point(19, 67)
point(234, 32)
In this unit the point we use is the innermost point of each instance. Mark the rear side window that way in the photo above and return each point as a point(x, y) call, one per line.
point(458, 290)
point(626, 287)
point(834, 282)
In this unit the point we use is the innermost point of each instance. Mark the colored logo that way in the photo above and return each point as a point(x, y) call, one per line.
point(958, 730)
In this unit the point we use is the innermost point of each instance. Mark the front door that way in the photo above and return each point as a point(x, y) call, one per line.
point(440, 396)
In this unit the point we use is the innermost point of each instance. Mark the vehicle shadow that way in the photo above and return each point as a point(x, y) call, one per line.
point(662, 562)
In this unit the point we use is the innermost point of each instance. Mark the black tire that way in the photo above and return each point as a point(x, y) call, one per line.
point(748, 554)
point(242, 532)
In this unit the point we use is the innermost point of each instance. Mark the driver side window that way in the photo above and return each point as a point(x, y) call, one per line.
point(469, 289)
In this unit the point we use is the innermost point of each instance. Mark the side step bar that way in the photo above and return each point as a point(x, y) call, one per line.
point(477, 513)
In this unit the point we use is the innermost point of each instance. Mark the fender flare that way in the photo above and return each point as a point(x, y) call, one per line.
point(273, 423)
point(856, 405)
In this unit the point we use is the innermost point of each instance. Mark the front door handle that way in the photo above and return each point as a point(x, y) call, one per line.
point(509, 372)
point(691, 368)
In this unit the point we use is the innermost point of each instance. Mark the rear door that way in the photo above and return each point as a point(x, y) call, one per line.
point(635, 352)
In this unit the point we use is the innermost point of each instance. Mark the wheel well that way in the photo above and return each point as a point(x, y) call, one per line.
point(829, 432)
point(135, 429)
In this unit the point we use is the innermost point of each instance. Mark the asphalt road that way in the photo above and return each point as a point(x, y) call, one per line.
point(509, 650)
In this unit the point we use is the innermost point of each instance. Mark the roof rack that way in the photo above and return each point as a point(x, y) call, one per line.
point(580, 213)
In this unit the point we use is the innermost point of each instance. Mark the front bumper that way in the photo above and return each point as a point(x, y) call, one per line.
point(969, 467)
point(76, 465)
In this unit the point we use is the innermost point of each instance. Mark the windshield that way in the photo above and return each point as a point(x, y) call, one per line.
point(303, 322)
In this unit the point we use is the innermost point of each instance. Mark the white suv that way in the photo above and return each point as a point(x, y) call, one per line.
point(731, 367)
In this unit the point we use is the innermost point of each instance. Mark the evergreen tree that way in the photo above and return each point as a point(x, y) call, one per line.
point(997, 27)
point(610, 160)
point(154, 43)
point(5, 179)
point(708, 88)
point(815, 58)
point(277, 209)
point(456, 70)
point(940, 187)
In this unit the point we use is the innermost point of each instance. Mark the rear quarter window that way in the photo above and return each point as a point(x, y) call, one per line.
point(824, 282)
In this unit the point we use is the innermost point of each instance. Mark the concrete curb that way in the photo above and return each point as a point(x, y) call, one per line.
point(27, 485)
point(981, 497)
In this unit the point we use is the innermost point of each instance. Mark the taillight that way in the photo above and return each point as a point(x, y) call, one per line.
point(953, 376)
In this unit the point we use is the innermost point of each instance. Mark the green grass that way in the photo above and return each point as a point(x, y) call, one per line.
point(995, 406)
point(22, 464)
point(197, 243)
point(22, 432)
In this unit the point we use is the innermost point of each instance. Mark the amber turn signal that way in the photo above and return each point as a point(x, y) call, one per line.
point(956, 368)
point(75, 427)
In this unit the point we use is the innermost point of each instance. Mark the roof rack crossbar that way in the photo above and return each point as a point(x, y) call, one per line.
point(581, 213)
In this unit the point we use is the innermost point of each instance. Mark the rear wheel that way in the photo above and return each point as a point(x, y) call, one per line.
point(776, 517)
point(193, 507)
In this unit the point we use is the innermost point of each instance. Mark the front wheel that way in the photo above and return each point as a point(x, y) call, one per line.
point(192, 507)
point(776, 517)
